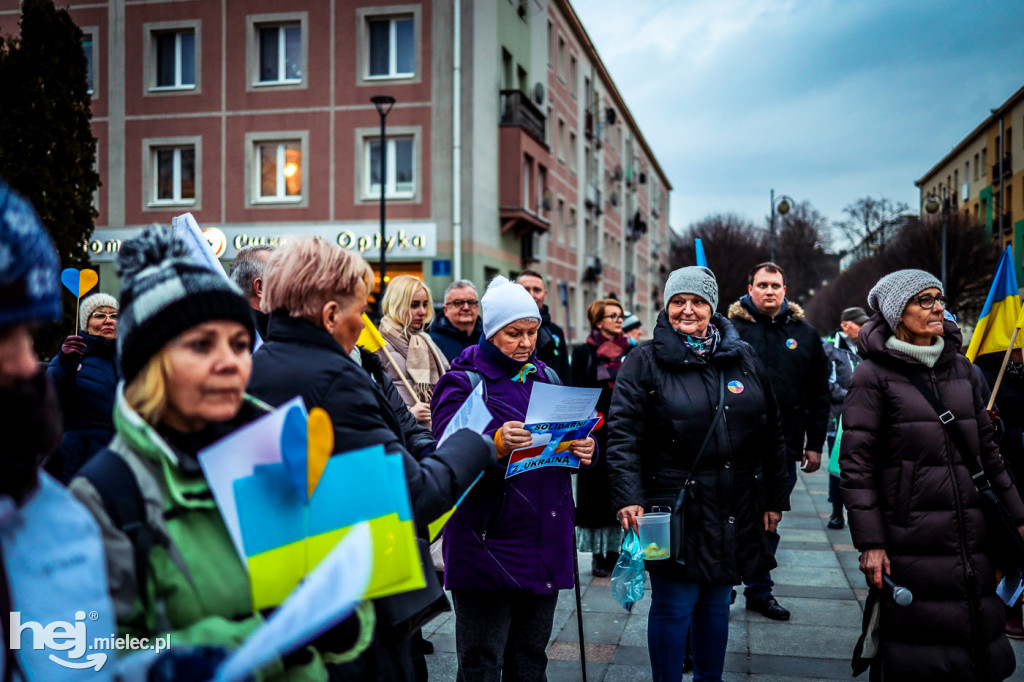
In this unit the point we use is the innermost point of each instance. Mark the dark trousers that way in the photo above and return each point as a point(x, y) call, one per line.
point(760, 587)
point(502, 635)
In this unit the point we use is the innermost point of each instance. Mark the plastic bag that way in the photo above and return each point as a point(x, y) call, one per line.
point(628, 574)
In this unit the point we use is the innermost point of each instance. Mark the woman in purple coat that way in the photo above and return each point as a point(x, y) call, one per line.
point(508, 548)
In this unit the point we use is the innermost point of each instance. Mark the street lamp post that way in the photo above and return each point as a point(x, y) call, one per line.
point(932, 204)
point(383, 104)
point(784, 204)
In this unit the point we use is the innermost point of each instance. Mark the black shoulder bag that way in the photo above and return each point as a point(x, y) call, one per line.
point(1005, 544)
point(678, 528)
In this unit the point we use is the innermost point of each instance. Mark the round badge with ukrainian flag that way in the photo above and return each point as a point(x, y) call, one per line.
point(791, 344)
point(735, 387)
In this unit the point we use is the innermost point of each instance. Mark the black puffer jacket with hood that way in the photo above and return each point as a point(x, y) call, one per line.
point(663, 404)
point(908, 492)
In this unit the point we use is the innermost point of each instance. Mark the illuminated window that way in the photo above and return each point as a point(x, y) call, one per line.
point(87, 47)
point(280, 171)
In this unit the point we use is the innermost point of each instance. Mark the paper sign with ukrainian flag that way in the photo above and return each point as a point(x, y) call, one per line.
point(290, 511)
point(1001, 312)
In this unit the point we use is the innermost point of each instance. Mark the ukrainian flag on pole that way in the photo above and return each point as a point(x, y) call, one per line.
point(1001, 314)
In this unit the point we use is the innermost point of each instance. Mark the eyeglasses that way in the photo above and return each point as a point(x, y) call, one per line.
point(103, 316)
point(614, 317)
point(927, 301)
point(458, 303)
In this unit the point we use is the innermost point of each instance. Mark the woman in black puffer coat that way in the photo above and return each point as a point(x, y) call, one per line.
point(663, 406)
point(913, 509)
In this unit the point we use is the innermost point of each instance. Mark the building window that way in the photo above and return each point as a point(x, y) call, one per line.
point(976, 166)
point(174, 175)
point(560, 141)
point(572, 152)
point(401, 166)
point(87, 47)
point(551, 43)
point(171, 172)
point(175, 59)
point(561, 58)
point(280, 171)
point(572, 75)
point(561, 227)
point(392, 47)
point(527, 172)
point(280, 54)
point(984, 162)
point(542, 182)
point(571, 228)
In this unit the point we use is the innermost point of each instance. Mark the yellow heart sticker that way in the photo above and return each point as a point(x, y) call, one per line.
point(87, 281)
point(319, 446)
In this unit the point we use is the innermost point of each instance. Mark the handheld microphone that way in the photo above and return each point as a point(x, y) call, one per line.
point(901, 595)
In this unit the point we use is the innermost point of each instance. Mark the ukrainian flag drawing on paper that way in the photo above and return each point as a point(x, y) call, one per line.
point(1000, 315)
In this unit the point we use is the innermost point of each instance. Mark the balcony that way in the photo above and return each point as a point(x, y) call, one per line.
point(1007, 167)
point(518, 110)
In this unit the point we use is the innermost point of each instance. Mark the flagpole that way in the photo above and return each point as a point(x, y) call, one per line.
point(1006, 360)
point(401, 374)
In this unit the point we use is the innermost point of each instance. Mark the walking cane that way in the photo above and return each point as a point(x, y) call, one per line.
point(579, 603)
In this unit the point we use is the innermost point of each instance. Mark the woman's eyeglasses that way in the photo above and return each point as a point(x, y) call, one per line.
point(927, 301)
point(103, 316)
point(614, 317)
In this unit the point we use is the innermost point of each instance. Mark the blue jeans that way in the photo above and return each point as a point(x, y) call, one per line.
point(760, 587)
point(675, 604)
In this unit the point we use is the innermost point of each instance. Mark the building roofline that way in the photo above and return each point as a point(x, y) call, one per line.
point(979, 129)
point(588, 44)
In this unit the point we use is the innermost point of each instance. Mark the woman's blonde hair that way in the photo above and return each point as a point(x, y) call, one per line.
point(147, 393)
point(398, 300)
point(305, 273)
point(595, 311)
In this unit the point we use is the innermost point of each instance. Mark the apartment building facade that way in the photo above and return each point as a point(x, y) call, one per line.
point(508, 145)
point(983, 176)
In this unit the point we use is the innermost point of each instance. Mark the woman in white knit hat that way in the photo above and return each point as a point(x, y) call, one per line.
point(85, 373)
point(508, 548)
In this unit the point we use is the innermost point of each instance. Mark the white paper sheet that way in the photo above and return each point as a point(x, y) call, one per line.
point(235, 456)
point(473, 415)
point(328, 595)
point(551, 403)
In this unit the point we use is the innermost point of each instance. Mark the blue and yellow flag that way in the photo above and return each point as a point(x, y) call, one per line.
point(1001, 314)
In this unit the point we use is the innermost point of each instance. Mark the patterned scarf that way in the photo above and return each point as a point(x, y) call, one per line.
point(424, 363)
point(610, 354)
point(703, 346)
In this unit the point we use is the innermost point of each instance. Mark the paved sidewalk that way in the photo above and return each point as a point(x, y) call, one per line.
point(817, 580)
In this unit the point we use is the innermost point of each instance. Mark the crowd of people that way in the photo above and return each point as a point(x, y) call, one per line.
point(104, 506)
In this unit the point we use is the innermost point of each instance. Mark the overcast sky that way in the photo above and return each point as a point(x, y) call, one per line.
point(824, 100)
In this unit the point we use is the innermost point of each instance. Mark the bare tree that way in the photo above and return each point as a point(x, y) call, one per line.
point(871, 223)
point(802, 251)
point(732, 246)
point(970, 265)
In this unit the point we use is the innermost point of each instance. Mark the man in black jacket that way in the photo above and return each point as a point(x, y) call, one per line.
point(791, 351)
point(459, 324)
point(552, 349)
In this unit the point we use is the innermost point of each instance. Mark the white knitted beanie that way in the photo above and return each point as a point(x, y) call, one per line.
point(892, 293)
point(506, 302)
point(89, 305)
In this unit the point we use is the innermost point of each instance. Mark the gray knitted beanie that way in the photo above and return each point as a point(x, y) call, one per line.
point(696, 280)
point(892, 293)
point(166, 292)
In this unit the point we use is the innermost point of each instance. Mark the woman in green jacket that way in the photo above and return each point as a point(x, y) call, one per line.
point(184, 346)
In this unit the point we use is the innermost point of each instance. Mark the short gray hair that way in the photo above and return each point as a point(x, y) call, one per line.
point(459, 284)
point(248, 266)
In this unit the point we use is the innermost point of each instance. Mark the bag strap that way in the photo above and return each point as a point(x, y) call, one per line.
point(714, 424)
point(948, 422)
point(122, 499)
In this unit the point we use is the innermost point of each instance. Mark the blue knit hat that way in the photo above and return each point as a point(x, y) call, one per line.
point(29, 272)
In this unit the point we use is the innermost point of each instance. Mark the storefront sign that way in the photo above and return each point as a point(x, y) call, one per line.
point(404, 240)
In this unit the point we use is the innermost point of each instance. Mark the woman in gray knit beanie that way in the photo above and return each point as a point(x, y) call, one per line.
point(914, 510)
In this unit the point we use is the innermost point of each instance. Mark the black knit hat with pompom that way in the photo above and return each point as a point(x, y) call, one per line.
point(165, 291)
